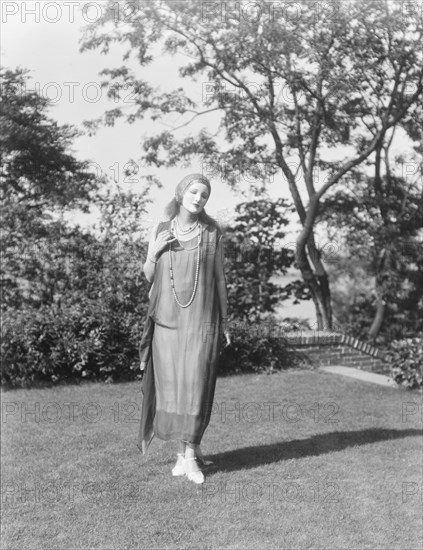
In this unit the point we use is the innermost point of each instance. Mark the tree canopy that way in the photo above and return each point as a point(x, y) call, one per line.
point(40, 178)
point(37, 168)
point(309, 92)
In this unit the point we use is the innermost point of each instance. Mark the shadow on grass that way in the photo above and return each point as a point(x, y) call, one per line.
point(251, 457)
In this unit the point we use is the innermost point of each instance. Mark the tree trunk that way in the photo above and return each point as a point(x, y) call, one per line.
point(378, 318)
point(318, 285)
point(321, 276)
point(317, 280)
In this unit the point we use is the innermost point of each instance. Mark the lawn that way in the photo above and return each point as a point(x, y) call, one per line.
point(303, 459)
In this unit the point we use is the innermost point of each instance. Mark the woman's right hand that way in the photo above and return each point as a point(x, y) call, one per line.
point(163, 239)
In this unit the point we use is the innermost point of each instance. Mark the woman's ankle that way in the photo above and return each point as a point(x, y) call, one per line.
point(189, 451)
point(181, 447)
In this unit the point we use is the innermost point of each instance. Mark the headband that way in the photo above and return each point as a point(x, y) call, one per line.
point(186, 182)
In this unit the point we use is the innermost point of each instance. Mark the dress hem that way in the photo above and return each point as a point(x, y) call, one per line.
point(178, 436)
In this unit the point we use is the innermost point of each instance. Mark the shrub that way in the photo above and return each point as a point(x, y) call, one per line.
point(83, 342)
point(252, 350)
point(406, 360)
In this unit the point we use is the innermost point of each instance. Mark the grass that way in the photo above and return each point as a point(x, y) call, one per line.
point(337, 465)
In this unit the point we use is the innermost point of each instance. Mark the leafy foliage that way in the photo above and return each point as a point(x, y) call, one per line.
point(39, 180)
point(253, 255)
point(87, 341)
point(89, 327)
point(406, 359)
point(37, 171)
point(380, 268)
point(251, 351)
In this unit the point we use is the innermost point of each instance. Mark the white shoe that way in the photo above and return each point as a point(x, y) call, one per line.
point(179, 468)
point(192, 471)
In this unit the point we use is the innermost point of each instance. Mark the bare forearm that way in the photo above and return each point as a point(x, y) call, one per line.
point(149, 268)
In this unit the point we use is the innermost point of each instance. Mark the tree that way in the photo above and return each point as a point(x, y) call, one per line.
point(37, 171)
point(39, 180)
point(309, 93)
point(379, 228)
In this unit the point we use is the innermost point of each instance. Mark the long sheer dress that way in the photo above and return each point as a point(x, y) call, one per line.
point(181, 345)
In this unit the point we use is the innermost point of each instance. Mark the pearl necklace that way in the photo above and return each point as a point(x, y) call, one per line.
point(188, 240)
point(197, 271)
point(190, 228)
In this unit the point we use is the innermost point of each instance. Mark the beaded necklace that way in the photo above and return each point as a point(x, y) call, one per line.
point(197, 270)
point(189, 228)
point(188, 240)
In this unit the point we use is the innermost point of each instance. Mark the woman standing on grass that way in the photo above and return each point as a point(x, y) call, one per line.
point(187, 311)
